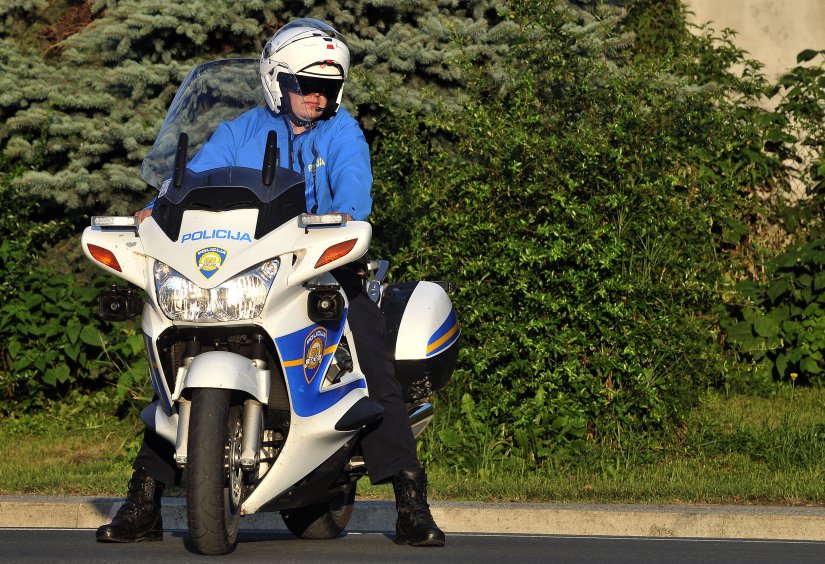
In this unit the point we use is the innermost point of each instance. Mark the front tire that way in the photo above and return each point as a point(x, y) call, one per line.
point(215, 481)
point(323, 520)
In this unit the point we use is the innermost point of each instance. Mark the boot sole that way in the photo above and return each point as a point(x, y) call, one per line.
point(145, 538)
point(426, 542)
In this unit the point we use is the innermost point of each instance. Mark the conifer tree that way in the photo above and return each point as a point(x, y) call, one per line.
point(90, 101)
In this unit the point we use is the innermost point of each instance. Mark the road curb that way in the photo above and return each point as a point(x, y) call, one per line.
point(683, 521)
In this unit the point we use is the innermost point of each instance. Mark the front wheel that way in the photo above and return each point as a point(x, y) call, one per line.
point(323, 520)
point(215, 481)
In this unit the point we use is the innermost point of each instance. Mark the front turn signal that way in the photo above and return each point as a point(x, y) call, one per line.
point(104, 256)
point(335, 252)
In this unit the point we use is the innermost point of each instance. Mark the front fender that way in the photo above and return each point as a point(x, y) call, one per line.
point(221, 369)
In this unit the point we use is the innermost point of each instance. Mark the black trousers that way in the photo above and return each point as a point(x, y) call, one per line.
point(388, 445)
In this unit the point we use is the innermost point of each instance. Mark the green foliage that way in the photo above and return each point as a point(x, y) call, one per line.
point(800, 112)
point(592, 24)
point(659, 27)
point(774, 323)
point(100, 92)
point(583, 209)
point(21, 235)
point(50, 338)
point(778, 325)
point(590, 193)
point(53, 341)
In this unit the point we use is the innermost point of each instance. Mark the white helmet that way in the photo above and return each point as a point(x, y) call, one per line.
point(304, 56)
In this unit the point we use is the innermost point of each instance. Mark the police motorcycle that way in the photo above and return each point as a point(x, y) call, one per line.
point(258, 384)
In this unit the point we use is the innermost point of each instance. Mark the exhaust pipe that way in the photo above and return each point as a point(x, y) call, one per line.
point(420, 417)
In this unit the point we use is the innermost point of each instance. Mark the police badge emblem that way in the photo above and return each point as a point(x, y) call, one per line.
point(314, 347)
point(209, 260)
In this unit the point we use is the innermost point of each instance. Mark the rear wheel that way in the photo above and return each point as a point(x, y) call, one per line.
point(323, 520)
point(215, 481)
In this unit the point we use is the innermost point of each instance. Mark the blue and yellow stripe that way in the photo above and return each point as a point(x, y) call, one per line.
point(445, 336)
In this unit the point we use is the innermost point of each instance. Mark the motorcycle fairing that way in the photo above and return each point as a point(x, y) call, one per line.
point(228, 188)
point(288, 239)
point(304, 375)
point(158, 383)
point(201, 232)
point(316, 407)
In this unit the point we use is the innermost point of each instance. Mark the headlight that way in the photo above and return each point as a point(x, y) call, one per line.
point(241, 297)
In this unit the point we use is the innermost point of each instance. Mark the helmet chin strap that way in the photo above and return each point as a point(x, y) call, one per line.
point(296, 121)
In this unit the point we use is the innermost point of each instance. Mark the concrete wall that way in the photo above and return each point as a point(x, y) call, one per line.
point(771, 31)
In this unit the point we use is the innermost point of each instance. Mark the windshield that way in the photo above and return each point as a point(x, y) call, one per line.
point(211, 93)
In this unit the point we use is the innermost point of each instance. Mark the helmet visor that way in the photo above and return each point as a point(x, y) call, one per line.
point(328, 87)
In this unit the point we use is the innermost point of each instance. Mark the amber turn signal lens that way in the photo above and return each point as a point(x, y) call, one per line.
point(104, 256)
point(335, 252)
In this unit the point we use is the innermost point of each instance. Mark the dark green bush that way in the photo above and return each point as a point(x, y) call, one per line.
point(777, 325)
point(51, 338)
point(54, 342)
point(774, 320)
point(800, 113)
point(585, 212)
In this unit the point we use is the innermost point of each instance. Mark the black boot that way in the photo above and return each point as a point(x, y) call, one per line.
point(138, 519)
point(415, 525)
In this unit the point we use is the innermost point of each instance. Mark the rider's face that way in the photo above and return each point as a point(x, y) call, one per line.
point(308, 107)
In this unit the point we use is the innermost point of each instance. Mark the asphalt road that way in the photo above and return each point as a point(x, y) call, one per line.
point(571, 520)
point(73, 545)
point(61, 529)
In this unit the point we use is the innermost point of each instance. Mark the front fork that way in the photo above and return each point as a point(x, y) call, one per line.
point(252, 417)
point(251, 434)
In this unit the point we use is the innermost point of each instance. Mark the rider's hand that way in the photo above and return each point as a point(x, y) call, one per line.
point(142, 214)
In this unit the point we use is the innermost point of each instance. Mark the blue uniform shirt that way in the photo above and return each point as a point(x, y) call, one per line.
point(333, 157)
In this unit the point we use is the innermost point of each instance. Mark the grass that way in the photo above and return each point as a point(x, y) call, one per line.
point(732, 449)
point(68, 450)
point(737, 449)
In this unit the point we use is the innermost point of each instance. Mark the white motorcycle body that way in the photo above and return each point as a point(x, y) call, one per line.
point(316, 403)
point(239, 296)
